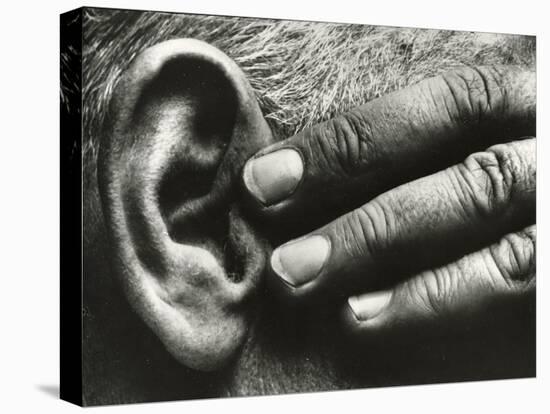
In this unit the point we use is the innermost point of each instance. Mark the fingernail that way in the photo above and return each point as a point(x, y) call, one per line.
point(273, 177)
point(300, 261)
point(369, 305)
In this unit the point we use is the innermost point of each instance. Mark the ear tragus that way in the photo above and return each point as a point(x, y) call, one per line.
point(183, 120)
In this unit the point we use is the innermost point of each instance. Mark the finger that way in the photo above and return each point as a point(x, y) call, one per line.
point(482, 289)
point(342, 163)
point(415, 226)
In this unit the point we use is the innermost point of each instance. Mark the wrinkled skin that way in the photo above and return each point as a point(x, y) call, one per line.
point(284, 349)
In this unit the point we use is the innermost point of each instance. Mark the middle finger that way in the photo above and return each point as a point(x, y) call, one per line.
point(420, 224)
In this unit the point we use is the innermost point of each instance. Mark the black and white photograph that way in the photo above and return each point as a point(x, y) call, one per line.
point(287, 207)
point(274, 207)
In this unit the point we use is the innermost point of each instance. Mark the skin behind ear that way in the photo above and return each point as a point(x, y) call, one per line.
point(182, 122)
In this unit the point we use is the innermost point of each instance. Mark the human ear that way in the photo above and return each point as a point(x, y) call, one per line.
point(182, 122)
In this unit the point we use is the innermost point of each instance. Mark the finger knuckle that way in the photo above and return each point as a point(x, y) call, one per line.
point(428, 291)
point(370, 228)
point(350, 143)
point(515, 258)
point(475, 91)
point(320, 147)
point(489, 177)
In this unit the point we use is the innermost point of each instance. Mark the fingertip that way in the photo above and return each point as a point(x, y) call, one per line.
point(364, 317)
point(250, 183)
point(352, 325)
point(300, 261)
point(273, 177)
point(369, 305)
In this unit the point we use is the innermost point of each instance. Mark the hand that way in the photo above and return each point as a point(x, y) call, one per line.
point(438, 186)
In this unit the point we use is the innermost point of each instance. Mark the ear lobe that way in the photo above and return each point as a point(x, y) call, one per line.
point(183, 120)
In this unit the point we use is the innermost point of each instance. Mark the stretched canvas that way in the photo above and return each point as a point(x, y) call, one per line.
point(254, 206)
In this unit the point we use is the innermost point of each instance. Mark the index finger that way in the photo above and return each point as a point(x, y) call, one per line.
point(342, 163)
